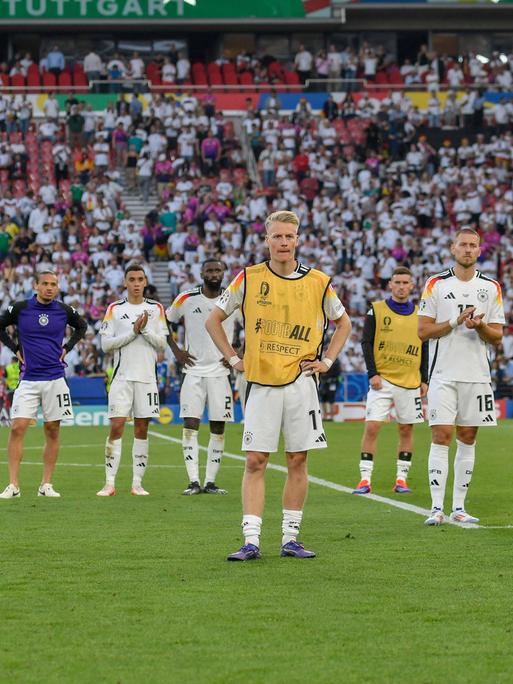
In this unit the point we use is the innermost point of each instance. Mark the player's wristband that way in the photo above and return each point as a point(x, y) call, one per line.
point(234, 360)
point(454, 322)
point(327, 361)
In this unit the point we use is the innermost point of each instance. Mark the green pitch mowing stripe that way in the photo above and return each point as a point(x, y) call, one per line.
point(137, 589)
point(333, 485)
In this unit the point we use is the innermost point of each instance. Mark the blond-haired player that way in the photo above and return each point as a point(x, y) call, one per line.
point(461, 311)
point(286, 308)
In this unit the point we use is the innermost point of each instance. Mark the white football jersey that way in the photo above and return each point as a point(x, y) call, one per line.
point(135, 356)
point(461, 355)
point(195, 308)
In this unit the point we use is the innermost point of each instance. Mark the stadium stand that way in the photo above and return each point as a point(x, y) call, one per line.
point(169, 186)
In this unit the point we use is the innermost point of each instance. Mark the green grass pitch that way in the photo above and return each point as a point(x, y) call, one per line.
point(129, 589)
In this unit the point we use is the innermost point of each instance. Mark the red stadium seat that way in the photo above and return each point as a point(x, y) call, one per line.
point(65, 79)
point(275, 70)
point(4, 79)
point(49, 80)
point(246, 78)
point(80, 80)
point(18, 81)
point(381, 78)
point(34, 78)
point(292, 79)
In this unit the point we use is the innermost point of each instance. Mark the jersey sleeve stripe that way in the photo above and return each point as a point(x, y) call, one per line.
point(110, 311)
point(236, 282)
point(162, 313)
point(430, 285)
point(181, 299)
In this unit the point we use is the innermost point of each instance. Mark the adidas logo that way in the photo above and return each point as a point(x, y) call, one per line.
point(488, 419)
point(67, 412)
point(125, 316)
point(420, 416)
point(450, 296)
point(321, 438)
point(227, 415)
point(197, 310)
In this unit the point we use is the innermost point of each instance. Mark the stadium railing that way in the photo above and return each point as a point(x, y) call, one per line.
point(310, 85)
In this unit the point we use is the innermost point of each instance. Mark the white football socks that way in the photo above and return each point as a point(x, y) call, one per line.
point(112, 459)
point(251, 526)
point(215, 454)
point(290, 525)
point(403, 465)
point(190, 453)
point(366, 466)
point(139, 460)
point(438, 466)
point(463, 469)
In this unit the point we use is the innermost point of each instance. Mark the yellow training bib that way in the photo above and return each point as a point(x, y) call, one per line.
point(397, 346)
point(284, 323)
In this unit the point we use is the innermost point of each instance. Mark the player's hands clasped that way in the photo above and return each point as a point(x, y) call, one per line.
point(140, 323)
point(466, 315)
point(475, 322)
point(376, 382)
point(311, 367)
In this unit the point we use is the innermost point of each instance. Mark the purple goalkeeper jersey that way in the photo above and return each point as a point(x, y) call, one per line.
point(41, 331)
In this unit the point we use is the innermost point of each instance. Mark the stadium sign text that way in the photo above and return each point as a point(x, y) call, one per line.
point(146, 9)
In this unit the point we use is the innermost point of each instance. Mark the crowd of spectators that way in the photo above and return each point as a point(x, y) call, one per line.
point(368, 64)
point(374, 65)
point(70, 212)
point(371, 193)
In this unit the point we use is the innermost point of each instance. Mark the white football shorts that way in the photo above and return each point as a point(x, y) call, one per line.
point(52, 395)
point(461, 403)
point(293, 409)
point(407, 403)
point(214, 393)
point(131, 399)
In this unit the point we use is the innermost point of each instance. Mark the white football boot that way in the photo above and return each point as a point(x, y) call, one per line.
point(47, 489)
point(137, 490)
point(437, 517)
point(107, 490)
point(10, 492)
point(461, 516)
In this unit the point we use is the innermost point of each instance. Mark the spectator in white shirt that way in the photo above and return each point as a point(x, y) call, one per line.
point(168, 71)
point(303, 62)
point(183, 69)
point(93, 67)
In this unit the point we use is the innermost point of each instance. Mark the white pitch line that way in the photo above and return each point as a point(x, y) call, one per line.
point(346, 490)
point(63, 446)
point(102, 465)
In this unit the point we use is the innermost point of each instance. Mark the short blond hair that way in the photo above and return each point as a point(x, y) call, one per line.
point(282, 217)
point(467, 231)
